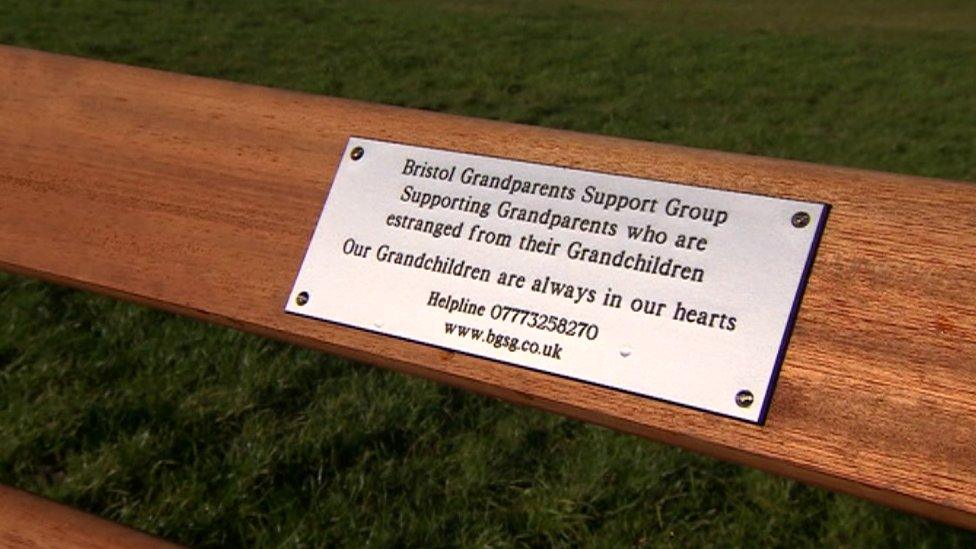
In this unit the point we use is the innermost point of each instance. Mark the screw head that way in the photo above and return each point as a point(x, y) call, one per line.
point(800, 219)
point(744, 398)
point(301, 298)
point(357, 153)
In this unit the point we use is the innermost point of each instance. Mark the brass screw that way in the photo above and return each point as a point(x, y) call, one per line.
point(357, 153)
point(301, 298)
point(744, 398)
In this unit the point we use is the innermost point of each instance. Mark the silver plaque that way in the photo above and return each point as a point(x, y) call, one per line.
point(671, 291)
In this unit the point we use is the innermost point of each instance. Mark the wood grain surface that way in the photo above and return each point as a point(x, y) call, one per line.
point(27, 521)
point(199, 197)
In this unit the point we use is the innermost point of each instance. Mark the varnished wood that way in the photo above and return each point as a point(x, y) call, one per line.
point(199, 197)
point(27, 521)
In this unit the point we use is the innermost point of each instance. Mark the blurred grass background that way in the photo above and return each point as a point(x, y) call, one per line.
point(211, 437)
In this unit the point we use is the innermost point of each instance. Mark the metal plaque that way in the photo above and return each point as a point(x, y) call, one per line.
point(676, 292)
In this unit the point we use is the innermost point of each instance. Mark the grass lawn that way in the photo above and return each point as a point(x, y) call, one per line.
point(211, 437)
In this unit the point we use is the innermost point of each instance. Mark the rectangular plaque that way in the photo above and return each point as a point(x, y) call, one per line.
point(676, 292)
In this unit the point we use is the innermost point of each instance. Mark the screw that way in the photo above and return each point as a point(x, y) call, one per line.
point(800, 219)
point(357, 153)
point(301, 298)
point(744, 398)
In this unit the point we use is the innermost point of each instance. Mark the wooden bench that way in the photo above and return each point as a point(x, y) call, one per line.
point(198, 197)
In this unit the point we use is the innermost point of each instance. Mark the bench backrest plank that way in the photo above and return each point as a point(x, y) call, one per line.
point(30, 521)
point(198, 196)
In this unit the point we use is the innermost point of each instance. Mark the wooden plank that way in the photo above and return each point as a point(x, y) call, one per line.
point(199, 196)
point(30, 521)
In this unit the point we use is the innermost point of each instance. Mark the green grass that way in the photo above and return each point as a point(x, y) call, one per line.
point(210, 437)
